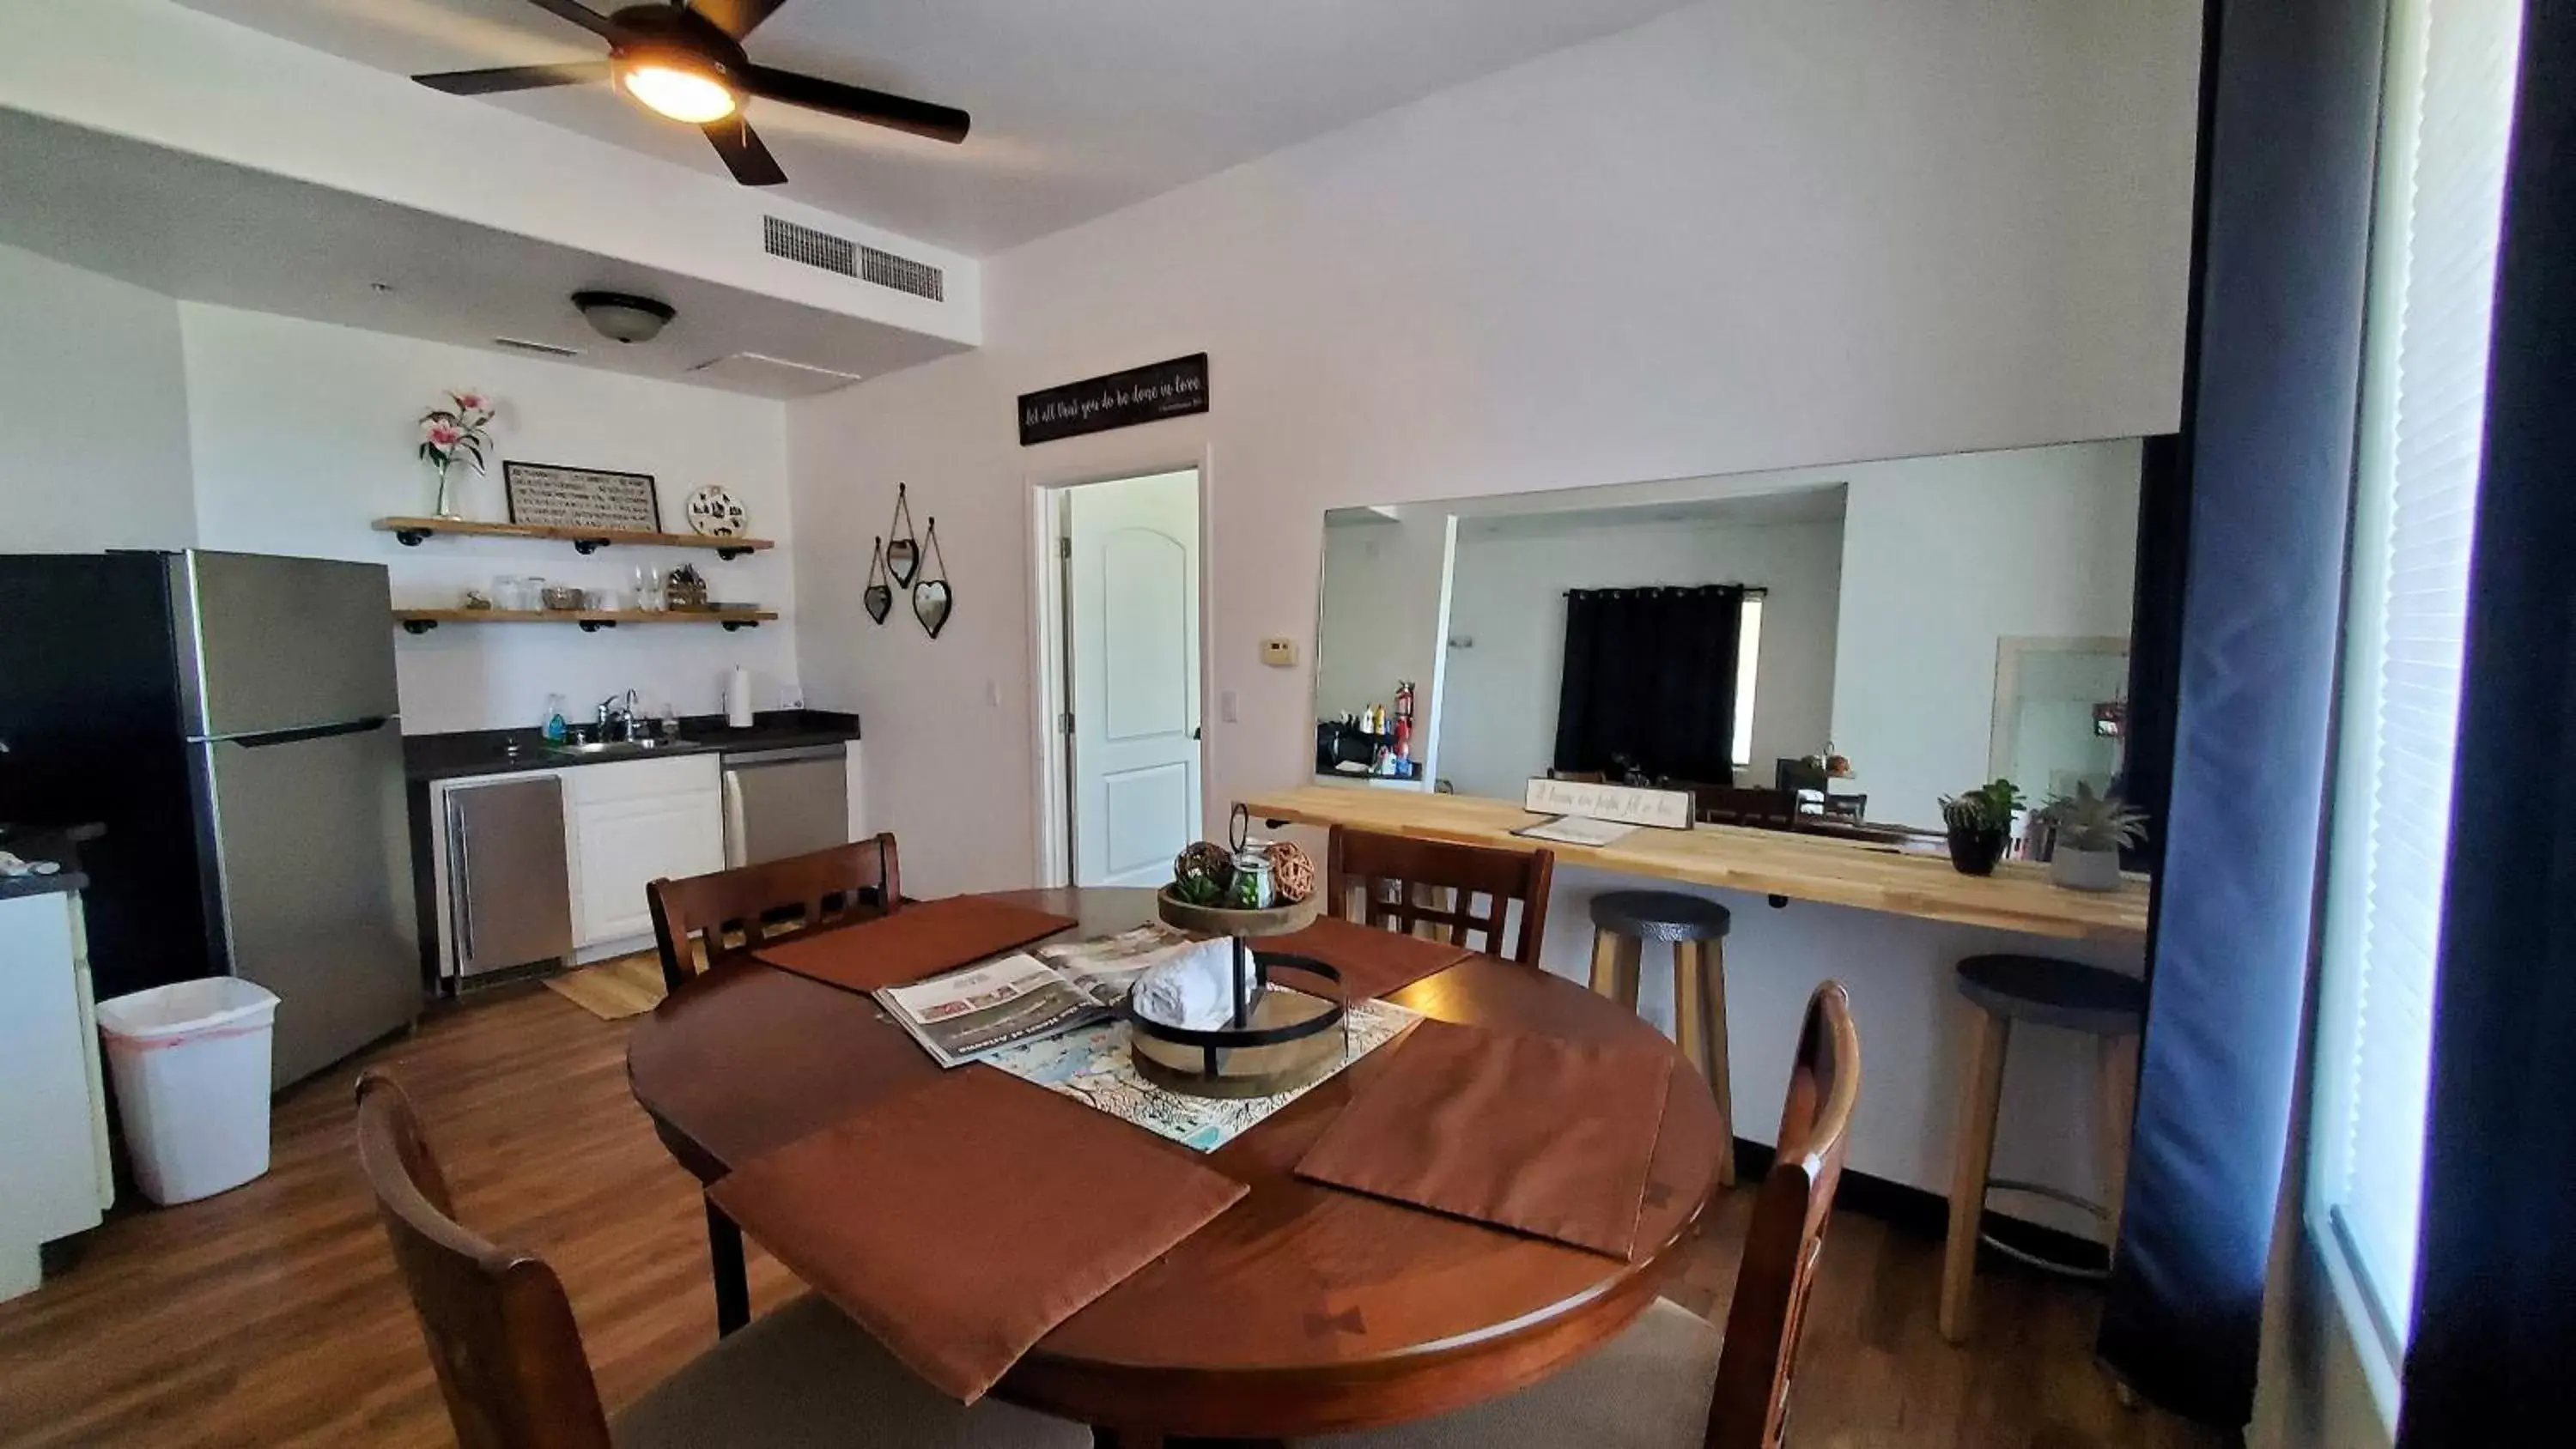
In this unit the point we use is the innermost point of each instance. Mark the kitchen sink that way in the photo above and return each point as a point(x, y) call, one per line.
point(592, 749)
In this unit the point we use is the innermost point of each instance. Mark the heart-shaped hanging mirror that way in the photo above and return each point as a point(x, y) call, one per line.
point(876, 598)
point(931, 600)
point(902, 555)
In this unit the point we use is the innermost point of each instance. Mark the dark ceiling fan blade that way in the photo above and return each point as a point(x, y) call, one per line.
point(581, 15)
point(921, 118)
point(514, 77)
point(743, 153)
point(736, 18)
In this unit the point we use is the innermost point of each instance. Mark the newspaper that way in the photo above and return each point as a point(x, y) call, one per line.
point(969, 1014)
point(1105, 969)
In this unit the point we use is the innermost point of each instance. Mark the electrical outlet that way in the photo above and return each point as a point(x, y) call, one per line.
point(1279, 653)
point(1225, 708)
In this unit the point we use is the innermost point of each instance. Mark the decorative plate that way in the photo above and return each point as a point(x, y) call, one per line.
point(714, 513)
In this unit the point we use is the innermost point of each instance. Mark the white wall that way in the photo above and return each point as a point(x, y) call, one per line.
point(2038, 542)
point(303, 435)
point(1498, 717)
point(93, 413)
point(1754, 234)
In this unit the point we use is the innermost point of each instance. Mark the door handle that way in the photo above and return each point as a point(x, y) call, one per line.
point(737, 849)
point(464, 890)
point(1196, 732)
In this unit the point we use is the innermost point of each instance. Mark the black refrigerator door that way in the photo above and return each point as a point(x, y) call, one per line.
point(90, 712)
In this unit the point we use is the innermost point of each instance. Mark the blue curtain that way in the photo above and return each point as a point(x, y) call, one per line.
point(2290, 115)
point(2495, 1295)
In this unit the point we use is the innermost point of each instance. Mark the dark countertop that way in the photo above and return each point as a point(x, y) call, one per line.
point(55, 843)
point(488, 752)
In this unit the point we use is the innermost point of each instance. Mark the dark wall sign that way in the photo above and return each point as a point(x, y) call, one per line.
point(1120, 400)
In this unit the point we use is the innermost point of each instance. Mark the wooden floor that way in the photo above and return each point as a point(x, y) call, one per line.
point(270, 1315)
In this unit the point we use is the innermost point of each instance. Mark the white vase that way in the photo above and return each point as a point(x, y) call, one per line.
point(2085, 870)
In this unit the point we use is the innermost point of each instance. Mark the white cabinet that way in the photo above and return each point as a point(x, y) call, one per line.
point(53, 1124)
point(632, 822)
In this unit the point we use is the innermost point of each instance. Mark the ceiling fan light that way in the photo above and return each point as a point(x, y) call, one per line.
point(681, 93)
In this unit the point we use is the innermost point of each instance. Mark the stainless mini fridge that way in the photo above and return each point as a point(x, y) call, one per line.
point(232, 720)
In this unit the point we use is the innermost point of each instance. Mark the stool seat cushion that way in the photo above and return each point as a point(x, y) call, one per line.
point(2049, 992)
point(1660, 916)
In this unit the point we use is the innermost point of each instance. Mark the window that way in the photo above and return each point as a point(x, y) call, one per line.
point(1748, 651)
point(2449, 107)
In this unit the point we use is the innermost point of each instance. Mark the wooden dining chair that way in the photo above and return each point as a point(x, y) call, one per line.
point(727, 912)
point(512, 1369)
point(1431, 885)
point(1671, 1381)
point(706, 918)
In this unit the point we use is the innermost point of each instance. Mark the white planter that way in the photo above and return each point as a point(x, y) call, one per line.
point(2085, 870)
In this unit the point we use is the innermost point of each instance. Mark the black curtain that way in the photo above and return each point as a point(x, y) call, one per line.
point(2290, 110)
point(2495, 1292)
point(1650, 680)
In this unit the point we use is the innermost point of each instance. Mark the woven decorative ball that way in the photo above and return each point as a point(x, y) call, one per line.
point(1201, 872)
point(1292, 871)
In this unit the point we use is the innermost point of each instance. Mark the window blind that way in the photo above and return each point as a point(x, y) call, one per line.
point(2448, 122)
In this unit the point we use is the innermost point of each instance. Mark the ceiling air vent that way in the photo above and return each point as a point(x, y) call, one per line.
point(541, 349)
point(821, 249)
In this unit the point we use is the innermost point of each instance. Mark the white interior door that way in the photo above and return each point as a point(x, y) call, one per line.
point(1132, 606)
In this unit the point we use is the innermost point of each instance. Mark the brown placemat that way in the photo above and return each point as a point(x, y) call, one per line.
point(960, 1221)
point(1373, 961)
point(1553, 1138)
point(917, 940)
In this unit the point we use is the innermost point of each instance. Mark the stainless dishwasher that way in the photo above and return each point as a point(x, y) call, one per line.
point(779, 803)
point(509, 888)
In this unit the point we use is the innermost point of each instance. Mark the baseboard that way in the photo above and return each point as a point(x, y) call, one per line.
point(1928, 1213)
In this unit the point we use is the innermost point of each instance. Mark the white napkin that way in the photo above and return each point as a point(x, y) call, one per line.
point(1194, 989)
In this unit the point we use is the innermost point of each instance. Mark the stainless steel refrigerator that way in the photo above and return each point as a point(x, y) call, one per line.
point(232, 719)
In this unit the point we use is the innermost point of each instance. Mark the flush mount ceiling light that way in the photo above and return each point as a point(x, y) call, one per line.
point(623, 317)
point(685, 61)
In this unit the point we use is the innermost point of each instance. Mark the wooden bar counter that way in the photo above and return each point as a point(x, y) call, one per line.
point(1873, 877)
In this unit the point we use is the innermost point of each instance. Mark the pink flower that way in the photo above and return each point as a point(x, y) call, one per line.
point(444, 435)
point(471, 402)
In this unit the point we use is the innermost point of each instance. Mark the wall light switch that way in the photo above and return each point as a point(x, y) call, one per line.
point(1279, 653)
point(993, 693)
point(1225, 709)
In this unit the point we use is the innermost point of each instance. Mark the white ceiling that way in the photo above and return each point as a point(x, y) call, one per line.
point(1081, 106)
point(208, 231)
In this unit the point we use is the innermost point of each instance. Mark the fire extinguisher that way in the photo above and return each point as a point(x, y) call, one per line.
point(1404, 721)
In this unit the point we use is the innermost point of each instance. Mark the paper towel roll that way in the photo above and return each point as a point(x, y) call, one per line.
point(738, 698)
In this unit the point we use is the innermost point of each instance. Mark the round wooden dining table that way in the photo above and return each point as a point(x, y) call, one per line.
point(1302, 1309)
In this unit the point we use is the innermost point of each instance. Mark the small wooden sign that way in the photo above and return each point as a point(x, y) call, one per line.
point(1120, 400)
point(1625, 804)
point(562, 497)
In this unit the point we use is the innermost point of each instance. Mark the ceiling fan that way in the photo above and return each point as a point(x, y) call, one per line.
point(685, 60)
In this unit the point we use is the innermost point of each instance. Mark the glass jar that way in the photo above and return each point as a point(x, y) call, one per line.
point(1252, 889)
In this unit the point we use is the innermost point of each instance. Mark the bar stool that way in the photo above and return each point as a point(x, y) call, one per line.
point(2041, 991)
point(1622, 922)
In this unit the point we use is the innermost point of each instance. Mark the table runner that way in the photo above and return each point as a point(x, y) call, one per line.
point(917, 940)
point(959, 1221)
point(1550, 1137)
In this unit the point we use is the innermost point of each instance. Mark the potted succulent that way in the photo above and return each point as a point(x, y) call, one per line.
point(1979, 822)
point(2091, 832)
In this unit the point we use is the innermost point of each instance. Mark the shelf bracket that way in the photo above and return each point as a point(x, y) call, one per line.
point(593, 626)
point(410, 537)
point(588, 545)
point(733, 624)
point(419, 626)
point(730, 554)
point(1778, 902)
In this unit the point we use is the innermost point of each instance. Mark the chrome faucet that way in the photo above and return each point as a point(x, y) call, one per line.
point(617, 717)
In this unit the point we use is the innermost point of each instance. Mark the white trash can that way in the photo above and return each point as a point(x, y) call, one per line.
point(191, 1066)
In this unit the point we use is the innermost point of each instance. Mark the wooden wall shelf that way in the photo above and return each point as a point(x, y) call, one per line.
point(410, 531)
point(421, 621)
